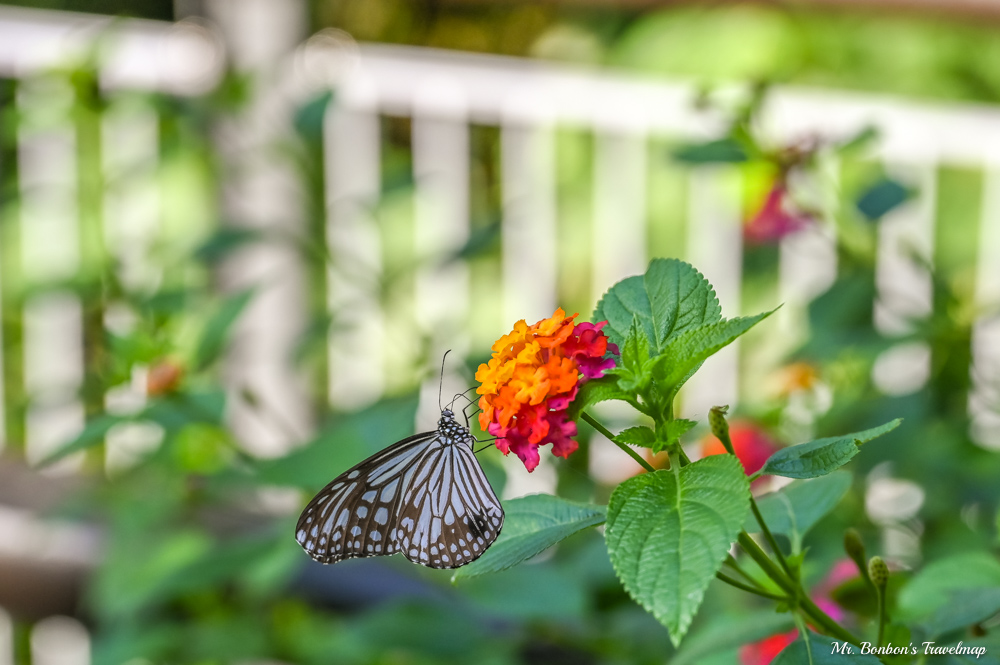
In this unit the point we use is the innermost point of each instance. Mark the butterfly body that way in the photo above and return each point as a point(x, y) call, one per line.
point(425, 496)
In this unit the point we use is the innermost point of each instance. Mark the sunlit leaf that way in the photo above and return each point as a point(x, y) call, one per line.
point(531, 525)
point(822, 456)
point(795, 508)
point(669, 531)
point(671, 298)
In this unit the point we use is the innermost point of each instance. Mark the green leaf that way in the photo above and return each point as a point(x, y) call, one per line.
point(594, 391)
point(729, 632)
point(795, 508)
point(631, 372)
point(213, 339)
point(820, 651)
point(882, 197)
point(669, 531)
point(964, 608)
point(91, 435)
point(635, 351)
point(637, 436)
point(350, 439)
point(820, 457)
point(720, 151)
point(686, 352)
point(671, 298)
point(532, 524)
point(675, 430)
point(932, 588)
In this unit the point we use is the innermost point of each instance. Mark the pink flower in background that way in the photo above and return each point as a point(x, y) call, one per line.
point(776, 218)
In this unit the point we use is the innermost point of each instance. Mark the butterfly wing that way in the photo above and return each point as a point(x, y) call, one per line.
point(425, 496)
point(449, 515)
point(351, 516)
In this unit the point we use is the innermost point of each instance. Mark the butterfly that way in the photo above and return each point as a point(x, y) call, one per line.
point(425, 496)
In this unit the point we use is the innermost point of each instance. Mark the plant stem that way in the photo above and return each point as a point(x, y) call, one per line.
point(749, 589)
point(771, 540)
point(881, 615)
point(611, 437)
point(818, 617)
point(734, 564)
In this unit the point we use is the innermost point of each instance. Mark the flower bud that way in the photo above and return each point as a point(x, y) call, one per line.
point(855, 548)
point(164, 377)
point(720, 428)
point(878, 571)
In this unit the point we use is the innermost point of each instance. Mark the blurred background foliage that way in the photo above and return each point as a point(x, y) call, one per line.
point(198, 562)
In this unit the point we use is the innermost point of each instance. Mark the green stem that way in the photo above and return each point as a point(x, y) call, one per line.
point(749, 589)
point(818, 617)
point(771, 540)
point(611, 437)
point(734, 564)
point(881, 615)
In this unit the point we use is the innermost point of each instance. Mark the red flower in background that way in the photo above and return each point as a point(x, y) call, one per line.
point(534, 374)
point(751, 445)
point(764, 651)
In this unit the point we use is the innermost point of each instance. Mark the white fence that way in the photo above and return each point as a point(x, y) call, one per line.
point(444, 95)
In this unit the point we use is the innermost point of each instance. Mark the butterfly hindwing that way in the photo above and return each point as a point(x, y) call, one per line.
point(425, 496)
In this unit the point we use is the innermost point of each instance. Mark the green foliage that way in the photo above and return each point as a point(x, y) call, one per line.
point(881, 198)
point(666, 323)
point(670, 299)
point(719, 151)
point(796, 508)
point(822, 456)
point(727, 632)
point(532, 524)
point(930, 590)
point(217, 329)
point(817, 650)
point(668, 534)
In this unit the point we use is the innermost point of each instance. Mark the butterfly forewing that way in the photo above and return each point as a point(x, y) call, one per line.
point(425, 496)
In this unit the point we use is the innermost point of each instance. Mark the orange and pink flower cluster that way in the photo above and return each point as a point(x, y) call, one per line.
point(534, 374)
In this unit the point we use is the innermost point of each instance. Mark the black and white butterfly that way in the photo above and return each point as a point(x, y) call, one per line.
point(425, 496)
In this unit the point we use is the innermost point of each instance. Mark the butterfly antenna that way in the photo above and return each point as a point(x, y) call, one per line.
point(441, 381)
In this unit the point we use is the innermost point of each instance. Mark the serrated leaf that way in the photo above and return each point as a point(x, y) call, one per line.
point(822, 456)
point(675, 430)
point(531, 525)
point(820, 651)
point(795, 508)
point(216, 332)
point(637, 436)
point(635, 351)
point(594, 391)
point(669, 531)
point(671, 298)
point(685, 353)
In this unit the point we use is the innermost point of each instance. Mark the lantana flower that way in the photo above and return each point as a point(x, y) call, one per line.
point(535, 372)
